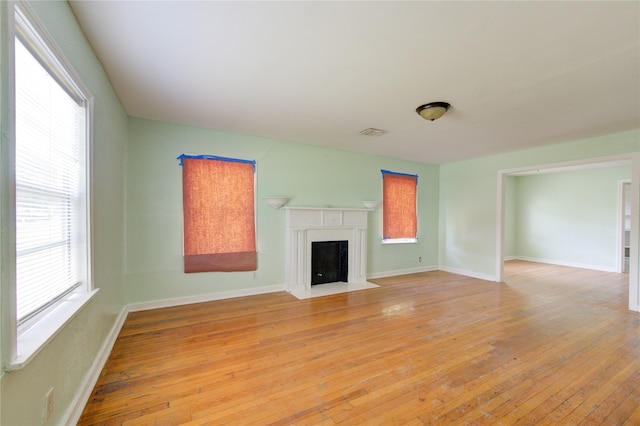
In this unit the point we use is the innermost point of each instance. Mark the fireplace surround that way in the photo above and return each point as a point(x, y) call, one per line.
point(306, 225)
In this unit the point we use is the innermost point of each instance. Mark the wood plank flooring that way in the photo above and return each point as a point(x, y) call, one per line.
point(550, 346)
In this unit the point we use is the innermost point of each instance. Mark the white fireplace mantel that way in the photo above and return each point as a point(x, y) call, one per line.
point(306, 225)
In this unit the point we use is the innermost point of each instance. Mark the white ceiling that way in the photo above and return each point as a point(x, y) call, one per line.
point(518, 74)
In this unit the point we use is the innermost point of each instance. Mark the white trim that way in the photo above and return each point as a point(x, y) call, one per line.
point(337, 209)
point(563, 166)
point(500, 197)
point(401, 272)
point(76, 407)
point(188, 300)
point(54, 58)
point(634, 282)
point(19, 348)
point(620, 258)
point(399, 241)
point(565, 263)
point(7, 193)
point(32, 341)
point(472, 274)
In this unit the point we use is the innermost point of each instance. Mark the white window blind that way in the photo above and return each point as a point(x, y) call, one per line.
point(51, 237)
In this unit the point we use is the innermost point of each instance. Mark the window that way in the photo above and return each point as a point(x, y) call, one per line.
point(52, 256)
point(399, 207)
point(219, 218)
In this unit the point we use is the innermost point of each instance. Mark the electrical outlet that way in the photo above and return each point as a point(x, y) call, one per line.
point(420, 259)
point(48, 405)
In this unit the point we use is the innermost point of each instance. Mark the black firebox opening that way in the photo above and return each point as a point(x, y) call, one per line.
point(329, 262)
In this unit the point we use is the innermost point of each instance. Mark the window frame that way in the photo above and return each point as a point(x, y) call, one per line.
point(21, 344)
point(404, 240)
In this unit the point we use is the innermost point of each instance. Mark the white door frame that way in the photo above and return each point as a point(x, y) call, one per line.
point(622, 199)
point(632, 159)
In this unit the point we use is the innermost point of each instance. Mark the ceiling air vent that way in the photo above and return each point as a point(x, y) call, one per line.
point(372, 132)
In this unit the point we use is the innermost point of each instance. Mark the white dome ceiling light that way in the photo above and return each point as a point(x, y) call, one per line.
point(433, 110)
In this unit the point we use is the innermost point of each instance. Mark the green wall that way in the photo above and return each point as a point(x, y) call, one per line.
point(568, 218)
point(469, 190)
point(457, 216)
point(64, 362)
point(311, 176)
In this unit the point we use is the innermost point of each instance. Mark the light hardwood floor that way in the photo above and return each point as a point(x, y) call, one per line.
point(551, 346)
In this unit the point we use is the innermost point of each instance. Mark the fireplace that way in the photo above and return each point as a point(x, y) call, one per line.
point(329, 262)
point(309, 225)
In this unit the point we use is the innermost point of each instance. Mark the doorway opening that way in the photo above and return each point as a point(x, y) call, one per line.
point(634, 197)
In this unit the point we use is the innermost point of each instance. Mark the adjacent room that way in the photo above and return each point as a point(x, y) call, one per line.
point(386, 212)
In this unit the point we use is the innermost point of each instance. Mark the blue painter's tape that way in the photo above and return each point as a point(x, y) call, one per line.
point(213, 157)
point(388, 172)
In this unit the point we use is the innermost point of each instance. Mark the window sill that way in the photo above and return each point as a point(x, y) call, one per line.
point(35, 338)
point(400, 241)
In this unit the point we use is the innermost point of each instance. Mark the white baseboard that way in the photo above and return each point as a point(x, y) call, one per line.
point(471, 274)
point(564, 263)
point(188, 300)
point(76, 407)
point(401, 272)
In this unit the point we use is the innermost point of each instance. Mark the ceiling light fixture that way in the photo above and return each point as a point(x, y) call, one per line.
point(433, 110)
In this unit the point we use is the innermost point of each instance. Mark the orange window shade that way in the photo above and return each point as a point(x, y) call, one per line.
point(399, 211)
point(219, 222)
